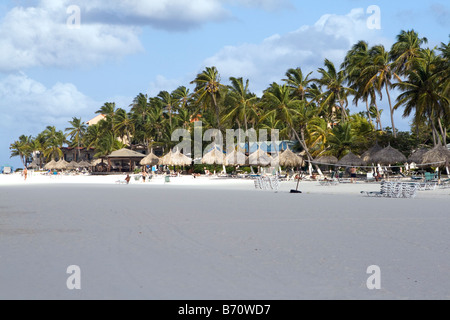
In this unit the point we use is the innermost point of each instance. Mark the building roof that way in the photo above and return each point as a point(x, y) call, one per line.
point(95, 120)
point(126, 153)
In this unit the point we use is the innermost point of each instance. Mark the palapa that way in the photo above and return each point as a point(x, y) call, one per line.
point(260, 158)
point(179, 159)
point(326, 160)
point(61, 165)
point(51, 165)
point(351, 160)
point(150, 160)
point(235, 158)
point(167, 159)
point(417, 156)
point(437, 157)
point(215, 156)
point(290, 159)
point(368, 155)
point(388, 156)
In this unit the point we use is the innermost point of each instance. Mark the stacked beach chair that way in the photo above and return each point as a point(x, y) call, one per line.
point(267, 183)
point(391, 189)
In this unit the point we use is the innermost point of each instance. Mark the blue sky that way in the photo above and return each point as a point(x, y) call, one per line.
point(50, 73)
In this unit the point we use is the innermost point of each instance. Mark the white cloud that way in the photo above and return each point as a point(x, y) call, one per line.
point(39, 36)
point(330, 37)
point(28, 105)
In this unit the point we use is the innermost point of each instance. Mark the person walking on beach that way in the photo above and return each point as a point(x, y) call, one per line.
point(25, 173)
point(127, 179)
point(352, 175)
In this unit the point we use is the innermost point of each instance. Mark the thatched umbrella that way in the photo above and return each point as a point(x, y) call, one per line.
point(150, 160)
point(260, 158)
point(290, 159)
point(439, 156)
point(388, 156)
point(351, 160)
point(61, 164)
point(368, 155)
point(326, 160)
point(72, 165)
point(215, 156)
point(179, 159)
point(51, 165)
point(417, 156)
point(167, 159)
point(235, 158)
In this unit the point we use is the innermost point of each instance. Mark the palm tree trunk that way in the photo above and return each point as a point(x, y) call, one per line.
point(368, 111)
point(443, 134)
point(217, 110)
point(392, 112)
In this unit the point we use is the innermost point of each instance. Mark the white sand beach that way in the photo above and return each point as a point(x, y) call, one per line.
point(209, 238)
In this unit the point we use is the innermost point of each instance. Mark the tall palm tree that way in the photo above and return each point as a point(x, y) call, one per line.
point(241, 101)
point(140, 105)
point(337, 93)
point(208, 88)
point(380, 73)
point(297, 82)
point(124, 125)
point(109, 111)
point(406, 50)
point(356, 60)
point(76, 132)
point(22, 148)
point(422, 95)
point(290, 110)
point(169, 104)
point(54, 141)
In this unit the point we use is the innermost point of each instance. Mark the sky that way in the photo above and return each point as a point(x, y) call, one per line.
point(61, 59)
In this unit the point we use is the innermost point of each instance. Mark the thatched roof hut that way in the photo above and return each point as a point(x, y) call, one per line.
point(215, 156)
point(61, 165)
point(368, 155)
point(417, 156)
point(179, 159)
point(326, 160)
point(167, 159)
point(437, 157)
point(388, 156)
point(150, 160)
point(235, 158)
point(260, 158)
point(290, 159)
point(51, 165)
point(351, 160)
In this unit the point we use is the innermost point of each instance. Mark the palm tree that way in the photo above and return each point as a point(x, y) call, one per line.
point(379, 73)
point(140, 105)
point(208, 89)
point(277, 100)
point(183, 98)
point(337, 92)
point(422, 94)
point(22, 148)
point(297, 82)
point(124, 125)
point(76, 132)
point(241, 101)
point(356, 60)
point(169, 104)
point(109, 111)
point(341, 139)
point(406, 50)
point(54, 141)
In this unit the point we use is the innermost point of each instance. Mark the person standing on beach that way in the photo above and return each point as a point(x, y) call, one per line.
point(353, 175)
point(127, 179)
point(25, 173)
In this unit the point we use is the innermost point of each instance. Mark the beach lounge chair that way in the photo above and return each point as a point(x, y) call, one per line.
point(394, 190)
point(166, 179)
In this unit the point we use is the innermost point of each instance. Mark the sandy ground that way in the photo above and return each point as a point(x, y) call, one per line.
point(218, 239)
